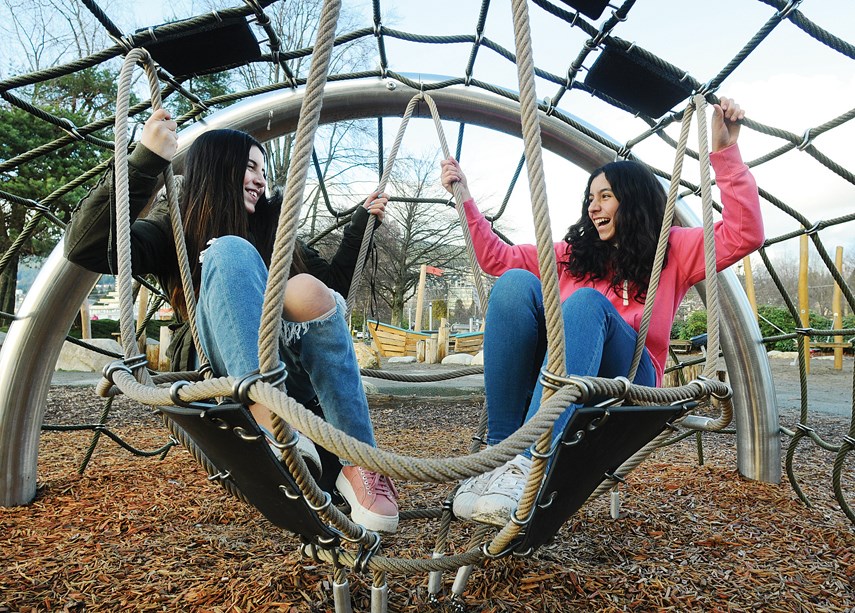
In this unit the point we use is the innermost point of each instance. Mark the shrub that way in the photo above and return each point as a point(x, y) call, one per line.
point(696, 323)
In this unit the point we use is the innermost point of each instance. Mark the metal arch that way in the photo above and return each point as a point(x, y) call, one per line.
point(34, 340)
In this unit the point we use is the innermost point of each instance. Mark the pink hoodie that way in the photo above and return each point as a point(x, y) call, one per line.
point(739, 232)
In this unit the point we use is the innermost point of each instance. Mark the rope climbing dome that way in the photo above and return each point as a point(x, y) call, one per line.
point(34, 340)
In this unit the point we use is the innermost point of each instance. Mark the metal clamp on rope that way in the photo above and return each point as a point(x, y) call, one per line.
point(495, 556)
point(126, 42)
point(706, 89)
point(701, 387)
point(329, 542)
point(522, 523)
point(791, 6)
point(275, 377)
point(554, 382)
point(813, 229)
point(618, 17)
point(364, 555)
point(850, 440)
point(291, 442)
point(35, 204)
point(621, 397)
point(805, 428)
point(176, 387)
point(363, 533)
point(550, 106)
point(128, 365)
point(708, 382)
point(255, 6)
point(71, 128)
point(804, 331)
point(323, 506)
point(544, 456)
point(615, 477)
point(806, 140)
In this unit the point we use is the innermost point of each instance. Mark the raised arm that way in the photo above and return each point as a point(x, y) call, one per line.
point(494, 255)
point(90, 236)
point(740, 230)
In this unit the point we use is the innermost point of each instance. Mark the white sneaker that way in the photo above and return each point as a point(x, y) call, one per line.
point(503, 493)
point(468, 493)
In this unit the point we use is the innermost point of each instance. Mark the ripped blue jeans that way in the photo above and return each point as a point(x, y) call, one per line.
point(228, 318)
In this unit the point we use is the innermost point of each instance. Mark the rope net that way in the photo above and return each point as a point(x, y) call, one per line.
point(544, 89)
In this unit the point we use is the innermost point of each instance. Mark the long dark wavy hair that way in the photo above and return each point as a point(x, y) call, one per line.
point(212, 203)
point(629, 257)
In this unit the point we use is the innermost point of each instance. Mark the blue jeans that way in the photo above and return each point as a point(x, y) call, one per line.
point(597, 341)
point(228, 318)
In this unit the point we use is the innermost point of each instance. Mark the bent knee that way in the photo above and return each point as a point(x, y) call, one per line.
point(514, 285)
point(307, 298)
point(584, 296)
point(227, 247)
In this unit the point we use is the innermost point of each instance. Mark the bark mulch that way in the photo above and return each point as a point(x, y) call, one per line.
point(154, 535)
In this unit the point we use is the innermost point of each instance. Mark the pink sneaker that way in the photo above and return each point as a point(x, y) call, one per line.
point(372, 497)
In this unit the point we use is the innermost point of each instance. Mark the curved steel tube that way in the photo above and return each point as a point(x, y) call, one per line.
point(35, 339)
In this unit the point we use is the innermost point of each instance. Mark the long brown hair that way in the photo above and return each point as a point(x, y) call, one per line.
point(637, 223)
point(212, 204)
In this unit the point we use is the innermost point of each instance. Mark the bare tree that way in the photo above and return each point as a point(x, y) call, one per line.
point(39, 34)
point(414, 234)
point(296, 24)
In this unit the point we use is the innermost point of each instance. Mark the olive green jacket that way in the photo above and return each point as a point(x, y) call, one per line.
point(90, 240)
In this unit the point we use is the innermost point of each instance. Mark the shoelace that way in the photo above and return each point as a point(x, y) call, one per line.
point(379, 484)
point(513, 477)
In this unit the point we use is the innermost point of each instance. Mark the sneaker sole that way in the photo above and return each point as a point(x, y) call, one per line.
point(362, 516)
point(494, 519)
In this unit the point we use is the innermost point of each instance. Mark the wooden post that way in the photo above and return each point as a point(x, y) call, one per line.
point(749, 284)
point(85, 321)
point(420, 299)
point(165, 339)
point(836, 301)
point(442, 341)
point(142, 309)
point(804, 299)
point(431, 349)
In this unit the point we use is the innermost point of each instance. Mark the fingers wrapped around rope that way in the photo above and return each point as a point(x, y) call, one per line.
point(376, 203)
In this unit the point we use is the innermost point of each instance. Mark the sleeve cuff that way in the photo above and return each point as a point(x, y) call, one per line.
point(728, 161)
point(360, 217)
point(147, 162)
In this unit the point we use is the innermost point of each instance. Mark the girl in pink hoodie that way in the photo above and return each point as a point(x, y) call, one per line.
point(604, 267)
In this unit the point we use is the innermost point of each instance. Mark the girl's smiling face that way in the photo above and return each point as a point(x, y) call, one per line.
point(254, 179)
point(603, 207)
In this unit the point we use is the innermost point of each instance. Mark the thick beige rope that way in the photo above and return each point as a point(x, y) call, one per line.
point(286, 234)
point(662, 245)
point(387, 170)
point(546, 259)
point(713, 311)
